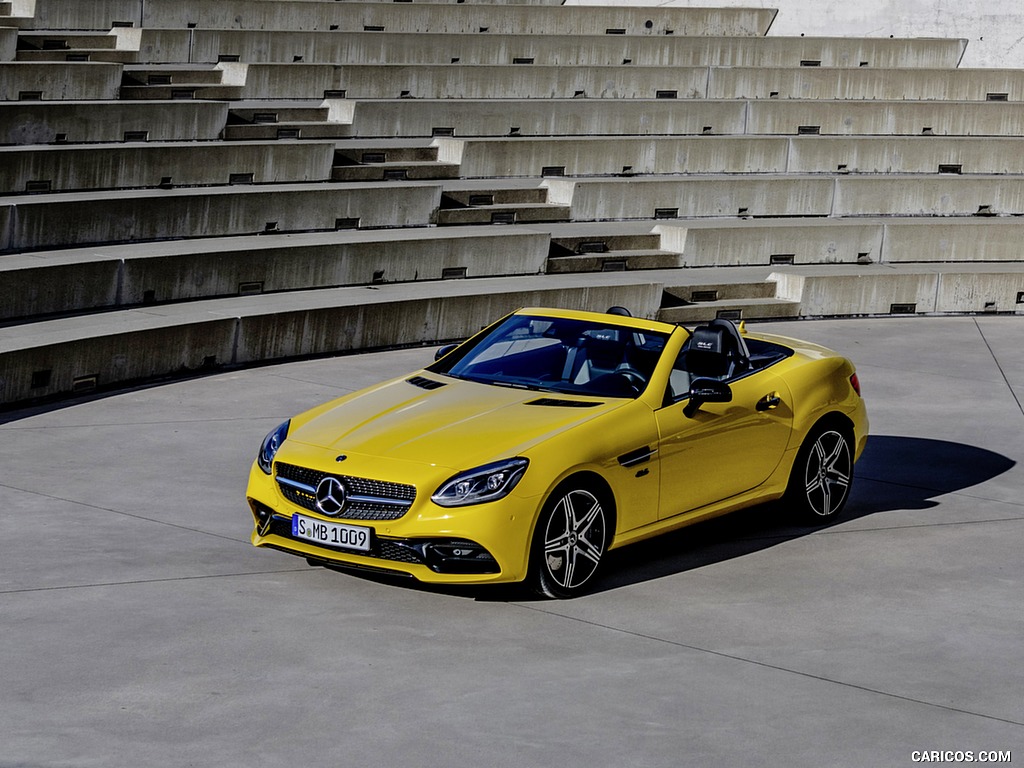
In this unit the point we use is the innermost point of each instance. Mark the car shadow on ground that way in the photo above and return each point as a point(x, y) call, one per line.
point(895, 473)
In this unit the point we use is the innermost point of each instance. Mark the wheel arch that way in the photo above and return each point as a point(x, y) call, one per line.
point(592, 481)
point(836, 420)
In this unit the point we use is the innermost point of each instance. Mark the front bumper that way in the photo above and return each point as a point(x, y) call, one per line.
point(485, 543)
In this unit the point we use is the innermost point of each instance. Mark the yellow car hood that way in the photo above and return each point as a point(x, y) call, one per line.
point(458, 425)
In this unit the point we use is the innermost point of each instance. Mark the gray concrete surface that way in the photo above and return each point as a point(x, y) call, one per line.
point(139, 627)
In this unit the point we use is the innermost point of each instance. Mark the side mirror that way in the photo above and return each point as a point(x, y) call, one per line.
point(444, 351)
point(706, 391)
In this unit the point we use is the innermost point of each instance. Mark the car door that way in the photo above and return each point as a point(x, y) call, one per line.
point(722, 449)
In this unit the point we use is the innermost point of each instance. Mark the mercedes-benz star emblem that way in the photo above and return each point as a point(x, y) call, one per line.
point(330, 496)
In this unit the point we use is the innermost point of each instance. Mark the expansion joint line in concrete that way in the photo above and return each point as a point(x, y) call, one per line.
point(776, 667)
point(1002, 373)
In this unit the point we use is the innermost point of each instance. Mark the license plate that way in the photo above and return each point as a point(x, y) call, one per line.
point(331, 534)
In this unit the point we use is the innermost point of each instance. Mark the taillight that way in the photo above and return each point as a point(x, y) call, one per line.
point(855, 383)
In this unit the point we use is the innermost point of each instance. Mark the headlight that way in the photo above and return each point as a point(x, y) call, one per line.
point(487, 483)
point(271, 443)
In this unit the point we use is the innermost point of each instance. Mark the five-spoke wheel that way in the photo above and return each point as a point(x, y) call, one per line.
point(822, 476)
point(571, 539)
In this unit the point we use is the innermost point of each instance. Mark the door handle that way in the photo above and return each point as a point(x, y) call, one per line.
point(769, 402)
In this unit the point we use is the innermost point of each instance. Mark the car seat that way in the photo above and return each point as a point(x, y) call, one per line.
point(716, 351)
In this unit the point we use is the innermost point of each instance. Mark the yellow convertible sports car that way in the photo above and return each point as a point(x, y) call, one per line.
point(551, 437)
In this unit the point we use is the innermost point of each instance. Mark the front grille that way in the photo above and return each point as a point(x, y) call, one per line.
point(367, 499)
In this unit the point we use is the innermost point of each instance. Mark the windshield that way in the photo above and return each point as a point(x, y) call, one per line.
point(560, 355)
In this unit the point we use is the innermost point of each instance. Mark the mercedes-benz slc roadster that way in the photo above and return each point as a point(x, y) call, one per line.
point(551, 437)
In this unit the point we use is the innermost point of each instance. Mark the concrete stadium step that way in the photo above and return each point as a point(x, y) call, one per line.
point(59, 81)
point(439, 81)
point(132, 165)
point(65, 40)
point(506, 202)
point(336, 47)
point(653, 155)
point(614, 261)
point(609, 253)
point(46, 221)
point(68, 45)
point(903, 117)
point(80, 280)
point(702, 301)
point(79, 122)
point(469, 118)
point(183, 81)
point(866, 85)
point(434, 81)
point(397, 170)
point(436, 17)
point(517, 213)
point(734, 309)
point(390, 161)
point(788, 195)
point(543, 117)
point(310, 119)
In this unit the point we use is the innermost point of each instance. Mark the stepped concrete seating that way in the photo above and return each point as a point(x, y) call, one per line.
point(52, 81)
point(287, 46)
point(598, 155)
point(603, 199)
point(520, 18)
point(459, 81)
point(62, 356)
point(47, 122)
point(834, 176)
point(463, 18)
point(60, 168)
point(847, 117)
point(642, 117)
point(659, 197)
point(847, 241)
point(61, 281)
point(85, 279)
point(35, 222)
point(866, 84)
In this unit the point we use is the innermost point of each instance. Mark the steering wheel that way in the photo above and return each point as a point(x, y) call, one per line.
point(636, 379)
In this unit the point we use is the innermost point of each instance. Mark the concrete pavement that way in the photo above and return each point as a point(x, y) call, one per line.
point(139, 627)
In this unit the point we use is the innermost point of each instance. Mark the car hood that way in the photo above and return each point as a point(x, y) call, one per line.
point(458, 425)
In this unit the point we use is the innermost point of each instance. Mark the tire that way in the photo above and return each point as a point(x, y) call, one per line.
point(570, 541)
point(822, 476)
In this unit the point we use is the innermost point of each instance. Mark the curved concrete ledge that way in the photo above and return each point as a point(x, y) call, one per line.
point(60, 357)
point(55, 221)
